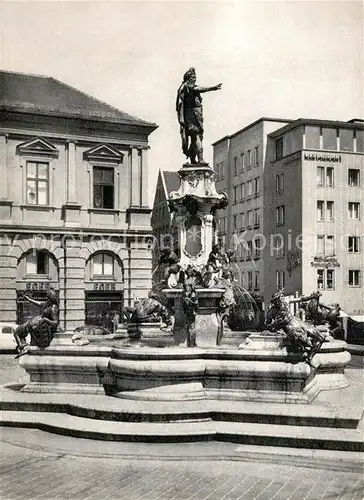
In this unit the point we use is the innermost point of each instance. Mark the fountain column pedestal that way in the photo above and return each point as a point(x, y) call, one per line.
point(207, 321)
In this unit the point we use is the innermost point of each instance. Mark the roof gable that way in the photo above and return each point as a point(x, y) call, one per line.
point(171, 181)
point(46, 95)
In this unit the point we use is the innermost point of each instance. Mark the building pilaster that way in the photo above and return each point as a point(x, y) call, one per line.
point(73, 285)
point(5, 203)
point(144, 178)
point(72, 209)
point(138, 212)
point(8, 265)
point(135, 178)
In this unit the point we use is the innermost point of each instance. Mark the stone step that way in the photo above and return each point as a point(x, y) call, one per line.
point(237, 432)
point(104, 407)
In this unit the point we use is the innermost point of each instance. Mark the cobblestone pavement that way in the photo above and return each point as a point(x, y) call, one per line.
point(34, 474)
point(38, 465)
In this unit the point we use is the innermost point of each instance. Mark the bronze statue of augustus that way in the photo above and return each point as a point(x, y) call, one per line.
point(190, 118)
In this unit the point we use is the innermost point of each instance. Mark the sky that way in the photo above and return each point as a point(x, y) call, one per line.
point(287, 59)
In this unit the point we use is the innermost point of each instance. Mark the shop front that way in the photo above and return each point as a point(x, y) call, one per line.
point(104, 305)
point(104, 291)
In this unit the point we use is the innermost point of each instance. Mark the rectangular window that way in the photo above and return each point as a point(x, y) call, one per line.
point(354, 277)
point(354, 177)
point(312, 137)
point(320, 244)
point(329, 177)
point(320, 176)
point(103, 187)
point(353, 210)
point(320, 279)
point(250, 218)
point(280, 279)
point(235, 166)
point(250, 280)
point(279, 183)
point(256, 186)
point(279, 148)
point(256, 280)
point(242, 220)
point(235, 194)
point(249, 186)
point(329, 138)
point(256, 155)
point(249, 159)
point(330, 275)
point(325, 279)
point(37, 183)
point(354, 244)
point(256, 247)
point(242, 191)
point(249, 250)
point(256, 217)
point(235, 218)
point(330, 246)
point(242, 156)
point(281, 250)
point(346, 139)
point(280, 216)
point(330, 211)
point(320, 210)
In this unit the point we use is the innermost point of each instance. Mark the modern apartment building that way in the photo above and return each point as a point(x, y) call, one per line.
point(311, 202)
point(239, 162)
point(74, 204)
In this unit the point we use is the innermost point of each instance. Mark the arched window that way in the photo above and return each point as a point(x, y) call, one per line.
point(102, 265)
point(37, 262)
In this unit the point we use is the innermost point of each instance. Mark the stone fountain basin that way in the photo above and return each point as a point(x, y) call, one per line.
point(265, 369)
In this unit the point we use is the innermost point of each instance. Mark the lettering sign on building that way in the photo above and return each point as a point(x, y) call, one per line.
point(321, 157)
point(35, 286)
point(104, 287)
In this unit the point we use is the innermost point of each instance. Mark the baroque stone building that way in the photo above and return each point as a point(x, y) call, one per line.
point(74, 204)
point(296, 207)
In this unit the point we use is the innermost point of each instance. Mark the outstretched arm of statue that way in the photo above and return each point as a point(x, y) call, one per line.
point(32, 301)
point(209, 89)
